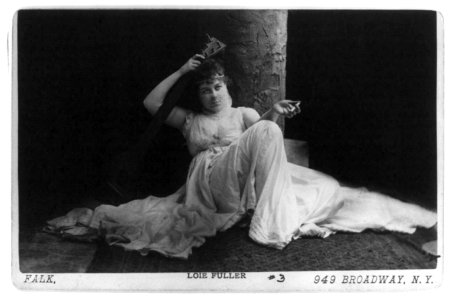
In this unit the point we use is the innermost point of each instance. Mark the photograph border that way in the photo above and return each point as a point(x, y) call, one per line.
point(295, 281)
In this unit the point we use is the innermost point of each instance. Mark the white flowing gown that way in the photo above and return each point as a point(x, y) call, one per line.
point(237, 172)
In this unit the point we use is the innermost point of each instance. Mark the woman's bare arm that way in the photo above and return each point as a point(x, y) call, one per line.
point(156, 97)
point(250, 116)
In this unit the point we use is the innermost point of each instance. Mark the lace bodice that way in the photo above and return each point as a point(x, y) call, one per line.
point(204, 131)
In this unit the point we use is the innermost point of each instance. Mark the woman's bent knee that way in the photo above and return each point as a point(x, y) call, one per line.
point(262, 133)
point(268, 129)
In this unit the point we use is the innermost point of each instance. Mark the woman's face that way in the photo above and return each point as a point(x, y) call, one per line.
point(214, 96)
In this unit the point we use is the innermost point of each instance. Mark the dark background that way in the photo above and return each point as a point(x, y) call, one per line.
point(368, 78)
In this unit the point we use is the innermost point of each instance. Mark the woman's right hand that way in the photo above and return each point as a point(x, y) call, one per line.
point(192, 64)
point(287, 108)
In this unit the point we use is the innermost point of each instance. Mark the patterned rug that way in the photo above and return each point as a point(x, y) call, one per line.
point(234, 251)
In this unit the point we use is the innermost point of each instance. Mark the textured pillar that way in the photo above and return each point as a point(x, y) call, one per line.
point(255, 56)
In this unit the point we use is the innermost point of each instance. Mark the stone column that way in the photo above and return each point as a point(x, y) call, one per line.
point(255, 56)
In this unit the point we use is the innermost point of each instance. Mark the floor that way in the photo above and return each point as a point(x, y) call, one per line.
point(232, 250)
point(40, 252)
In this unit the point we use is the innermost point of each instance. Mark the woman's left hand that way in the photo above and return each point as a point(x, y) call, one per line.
point(287, 108)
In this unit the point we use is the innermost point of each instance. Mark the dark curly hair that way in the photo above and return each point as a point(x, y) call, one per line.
point(209, 70)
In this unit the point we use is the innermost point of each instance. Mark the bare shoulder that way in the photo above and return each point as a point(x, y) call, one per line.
point(249, 115)
point(177, 117)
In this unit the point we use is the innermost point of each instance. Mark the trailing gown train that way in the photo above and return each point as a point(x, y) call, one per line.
point(235, 173)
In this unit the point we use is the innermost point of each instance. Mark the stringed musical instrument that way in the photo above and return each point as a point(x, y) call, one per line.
point(128, 165)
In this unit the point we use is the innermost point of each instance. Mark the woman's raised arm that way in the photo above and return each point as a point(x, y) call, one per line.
point(156, 97)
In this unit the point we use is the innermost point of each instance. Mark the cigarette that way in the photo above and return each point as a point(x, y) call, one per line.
point(293, 107)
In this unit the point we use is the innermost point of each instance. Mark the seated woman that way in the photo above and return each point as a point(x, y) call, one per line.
point(239, 170)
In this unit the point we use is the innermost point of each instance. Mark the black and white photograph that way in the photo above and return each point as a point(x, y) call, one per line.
point(227, 149)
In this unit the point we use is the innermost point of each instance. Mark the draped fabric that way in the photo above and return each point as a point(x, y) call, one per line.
point(237, 173)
